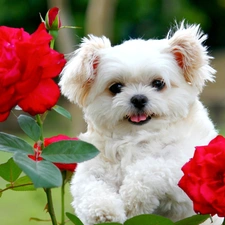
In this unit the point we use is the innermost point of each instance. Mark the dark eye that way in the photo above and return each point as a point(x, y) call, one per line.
point(116, 88)
point(158, 84)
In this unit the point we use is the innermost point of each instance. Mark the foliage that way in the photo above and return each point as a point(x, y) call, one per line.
point(142, 18)
point(149, 220)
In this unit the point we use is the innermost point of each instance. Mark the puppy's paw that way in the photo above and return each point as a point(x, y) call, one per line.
point(138, 199)
point(102, 215)
point(100, 210)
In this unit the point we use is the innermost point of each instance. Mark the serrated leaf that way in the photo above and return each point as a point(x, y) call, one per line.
point(74, 219)
point(22, 184)
point(148, 220)
point(9, 171)
point(62, 111)
point(11, 143)
point(69, 151)
point(30, 127)
point(193, 220)
point(42, 173)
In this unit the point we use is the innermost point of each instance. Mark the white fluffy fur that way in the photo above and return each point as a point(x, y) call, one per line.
point(139, 166)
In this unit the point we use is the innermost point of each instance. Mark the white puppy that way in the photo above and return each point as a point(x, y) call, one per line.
point(140, 101)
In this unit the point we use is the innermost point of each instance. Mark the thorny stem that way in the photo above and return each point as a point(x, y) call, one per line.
point(50, 206)
point(47, 190)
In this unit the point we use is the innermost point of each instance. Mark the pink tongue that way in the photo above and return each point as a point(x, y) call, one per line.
point(138, 118)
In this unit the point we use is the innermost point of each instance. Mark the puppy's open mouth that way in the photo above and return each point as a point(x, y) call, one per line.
point(139, 119)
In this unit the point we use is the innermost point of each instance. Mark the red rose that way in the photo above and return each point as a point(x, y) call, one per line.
point(47, 141)
point(204, 178)
point(27, 68)
point(52, 19)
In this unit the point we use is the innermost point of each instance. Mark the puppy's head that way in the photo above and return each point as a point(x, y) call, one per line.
point(138, 82)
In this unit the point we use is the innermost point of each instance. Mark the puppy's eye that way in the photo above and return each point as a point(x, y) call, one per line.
point(158, 84)
point(116, 88)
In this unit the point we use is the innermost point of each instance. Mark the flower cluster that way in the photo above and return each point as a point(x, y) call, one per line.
point(27, 68)
point(204, 178)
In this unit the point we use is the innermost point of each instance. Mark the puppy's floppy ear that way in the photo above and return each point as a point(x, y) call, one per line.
point(191, 55)
point(81, 70)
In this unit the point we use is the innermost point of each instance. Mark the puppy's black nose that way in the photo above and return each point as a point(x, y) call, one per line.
point(139, 101)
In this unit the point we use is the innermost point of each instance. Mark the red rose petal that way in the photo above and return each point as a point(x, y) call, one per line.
point(4, 116)
point(204, 178)
point(59, 137)
point(26, 67)
point(52, 13)
point(42, 98)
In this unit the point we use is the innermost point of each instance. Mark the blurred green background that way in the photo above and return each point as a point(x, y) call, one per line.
point(119, 20)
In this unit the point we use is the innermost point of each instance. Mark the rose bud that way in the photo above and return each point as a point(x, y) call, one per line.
point(52, 19)
point(47, 141)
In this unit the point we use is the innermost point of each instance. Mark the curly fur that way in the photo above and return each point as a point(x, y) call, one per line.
point(139, 164)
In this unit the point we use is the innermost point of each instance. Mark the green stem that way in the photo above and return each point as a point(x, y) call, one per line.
point(40, 123)
point(15, 186)
point(47, 190)
point(50, 206)
point(52, 43)
point(63, 198)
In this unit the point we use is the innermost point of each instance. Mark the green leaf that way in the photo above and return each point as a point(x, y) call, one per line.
point(42, 173)
point(69, 151)
point(62, 111)
point(11, 143)
point(0, 193)
point(9, 171)
point(74, 219)
point(22, 184)
point(193, 220)
point(109, 223)
point(148, 220)
point(30, 127)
